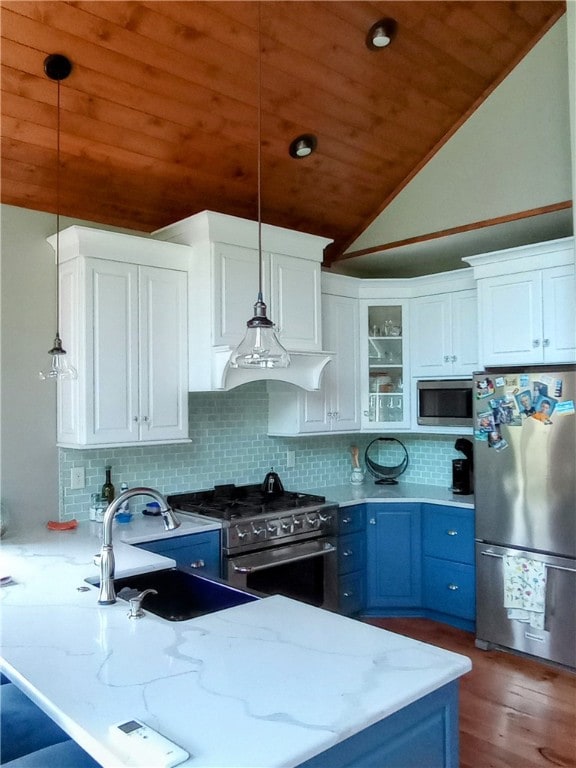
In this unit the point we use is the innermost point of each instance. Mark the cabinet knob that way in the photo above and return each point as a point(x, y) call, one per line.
point(366, 413)
point(446, 358)
point(453, 587)
point(452, 533)
point(347, 594)
point(135, 419)
point(372, 521)
point(546, 343)
point(453, 358)
point(346, 553)
point(145, 419)
point(535, 343)
point(197, 564)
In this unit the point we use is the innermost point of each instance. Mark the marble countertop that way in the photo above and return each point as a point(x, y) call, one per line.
point(348, 494)
point(265, 685)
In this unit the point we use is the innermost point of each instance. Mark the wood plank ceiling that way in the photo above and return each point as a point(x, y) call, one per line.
point(159, 116)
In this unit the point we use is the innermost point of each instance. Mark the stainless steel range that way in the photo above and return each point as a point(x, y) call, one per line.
point(281, 543)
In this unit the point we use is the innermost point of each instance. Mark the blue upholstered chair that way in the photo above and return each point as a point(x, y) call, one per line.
point(31, 739)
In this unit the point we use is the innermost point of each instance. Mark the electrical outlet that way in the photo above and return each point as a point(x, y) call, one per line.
point(77, 479)
point(290, 459)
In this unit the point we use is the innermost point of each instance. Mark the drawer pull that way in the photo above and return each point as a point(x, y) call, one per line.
point(347, 594)
point(452, 532)
point(453, 587)
point(346, 520)
point(347, 553)
point(197, 564)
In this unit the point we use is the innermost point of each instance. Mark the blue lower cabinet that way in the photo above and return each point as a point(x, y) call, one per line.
point(422, 735)
point(394, 556)
point(352, 559)
point(200, 551)
point(421, 562)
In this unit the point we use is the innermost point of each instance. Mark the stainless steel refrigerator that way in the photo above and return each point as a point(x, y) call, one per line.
point(525, 497)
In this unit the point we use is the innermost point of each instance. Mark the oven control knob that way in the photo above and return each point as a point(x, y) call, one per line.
point(241, 533)
point(313, 520)
point(273, 526)
point(257, 530)
point(325, 518)
point(286, 524)
point(297, 521)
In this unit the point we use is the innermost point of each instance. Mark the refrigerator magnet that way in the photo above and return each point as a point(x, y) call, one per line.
point(566, 406)
point(485, 422)
point(544, 408)
point(525, 403)
point(496, 441)
point(484, 388)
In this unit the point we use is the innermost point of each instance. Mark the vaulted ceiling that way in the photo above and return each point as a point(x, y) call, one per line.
point(159, 117)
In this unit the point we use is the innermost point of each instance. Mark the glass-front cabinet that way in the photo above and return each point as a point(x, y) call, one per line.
point(384, 362)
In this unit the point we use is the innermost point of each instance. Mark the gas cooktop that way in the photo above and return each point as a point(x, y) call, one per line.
point(233, 502)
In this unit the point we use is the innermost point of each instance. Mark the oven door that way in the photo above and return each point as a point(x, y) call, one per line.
point(305, 571)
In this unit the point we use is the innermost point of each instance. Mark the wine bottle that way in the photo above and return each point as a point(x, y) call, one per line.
point(108, 491)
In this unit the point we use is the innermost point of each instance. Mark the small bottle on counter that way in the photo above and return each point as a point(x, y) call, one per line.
point(125, 506)
point(108, 491)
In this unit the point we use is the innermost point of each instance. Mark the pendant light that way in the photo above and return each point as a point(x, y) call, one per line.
point(260, 347)
point(58, 67)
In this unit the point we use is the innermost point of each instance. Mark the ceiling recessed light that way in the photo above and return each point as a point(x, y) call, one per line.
point(303, 146)
point(381, 34)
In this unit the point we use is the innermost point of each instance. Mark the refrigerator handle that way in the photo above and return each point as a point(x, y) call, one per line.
point(548, 565)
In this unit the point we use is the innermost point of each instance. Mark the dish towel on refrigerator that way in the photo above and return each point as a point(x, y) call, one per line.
point(525, 590)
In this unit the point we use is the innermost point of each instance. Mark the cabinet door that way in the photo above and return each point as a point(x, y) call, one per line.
point(464, 322)
point(111, 335)
point(295, 302)
point(235, 292)
point(163, 413)
point(431, 348)
point(559, 332)
point(341, 379)
point(394, 556)
point(510, 309)
point(385, 394)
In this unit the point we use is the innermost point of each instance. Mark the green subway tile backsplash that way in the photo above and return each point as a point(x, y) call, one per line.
point(230, 445)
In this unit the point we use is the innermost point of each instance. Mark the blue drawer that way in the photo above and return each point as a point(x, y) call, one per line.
point(351, 552)
point(449, 587)
point(352, 593)
point(448, 533)
point(352, 519)
point(197, 550)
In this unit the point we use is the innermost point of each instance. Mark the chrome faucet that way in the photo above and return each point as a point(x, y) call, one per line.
point(107, 591)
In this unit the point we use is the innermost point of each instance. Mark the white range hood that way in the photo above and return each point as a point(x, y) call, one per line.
point(222, 287)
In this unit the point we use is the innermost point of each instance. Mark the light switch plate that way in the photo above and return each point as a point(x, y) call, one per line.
point(77, 478)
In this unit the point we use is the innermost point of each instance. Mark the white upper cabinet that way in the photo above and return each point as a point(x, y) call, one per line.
point(335, 407)
point(526, 304)
point(223, 286)
point(444, 337)
point(125, 326)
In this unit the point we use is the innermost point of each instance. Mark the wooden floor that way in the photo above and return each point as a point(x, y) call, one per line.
point(514, 712)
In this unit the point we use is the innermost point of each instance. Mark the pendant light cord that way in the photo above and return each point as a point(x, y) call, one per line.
point(259, 165)
point(58, 214)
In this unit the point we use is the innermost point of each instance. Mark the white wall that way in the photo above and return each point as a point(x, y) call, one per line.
point(512, 154)
point(28, 430)
point(28, 453)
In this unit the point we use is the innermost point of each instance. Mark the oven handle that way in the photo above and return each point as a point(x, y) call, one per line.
point(253, 568)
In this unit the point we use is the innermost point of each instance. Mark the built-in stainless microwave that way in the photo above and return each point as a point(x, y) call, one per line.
point(444, 403)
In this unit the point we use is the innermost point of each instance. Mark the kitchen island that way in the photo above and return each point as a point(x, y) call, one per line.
point(267, 684)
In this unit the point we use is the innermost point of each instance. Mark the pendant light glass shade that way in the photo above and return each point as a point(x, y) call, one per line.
point(59, 367)
point(260, 347)
point(58, 67)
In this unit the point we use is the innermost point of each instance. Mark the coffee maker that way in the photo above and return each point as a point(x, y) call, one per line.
point(462, 469)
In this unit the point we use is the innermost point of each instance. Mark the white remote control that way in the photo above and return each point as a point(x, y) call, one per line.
point(146, 747)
